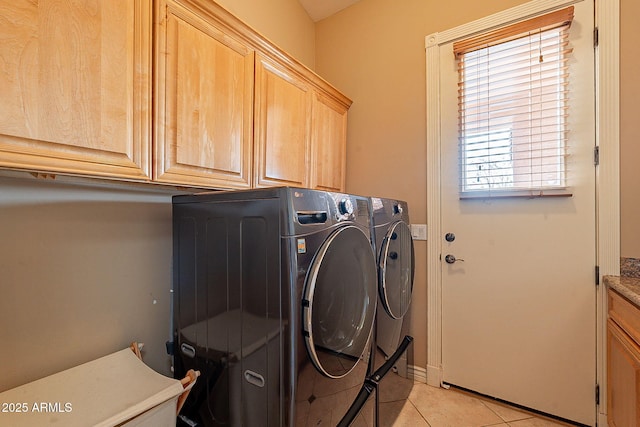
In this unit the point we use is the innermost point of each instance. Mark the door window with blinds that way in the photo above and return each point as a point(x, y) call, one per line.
point(513, 108)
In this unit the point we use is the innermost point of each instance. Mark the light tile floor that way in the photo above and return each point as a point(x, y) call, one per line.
point(404, 403)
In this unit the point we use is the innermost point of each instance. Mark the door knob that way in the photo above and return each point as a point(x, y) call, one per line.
point(450, 259)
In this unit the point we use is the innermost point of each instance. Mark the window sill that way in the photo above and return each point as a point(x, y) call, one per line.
point(520, 194)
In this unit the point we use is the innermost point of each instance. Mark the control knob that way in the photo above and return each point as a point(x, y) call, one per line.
point(345, 207)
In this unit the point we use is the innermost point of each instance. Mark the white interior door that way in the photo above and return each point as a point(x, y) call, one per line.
point(519, 313)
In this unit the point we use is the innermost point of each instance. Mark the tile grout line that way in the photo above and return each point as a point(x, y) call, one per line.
point(419, 412)
point(508, 420)
point(525, 416)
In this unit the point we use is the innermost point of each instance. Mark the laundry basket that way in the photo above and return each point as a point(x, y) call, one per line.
point(114, 390)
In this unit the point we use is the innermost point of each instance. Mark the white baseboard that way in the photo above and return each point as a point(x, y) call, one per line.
point(417, 373)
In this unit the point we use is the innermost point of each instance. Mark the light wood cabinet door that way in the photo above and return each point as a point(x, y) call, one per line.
point(75, 86)
point(204, 101)
point(623, 378)
point(328, 143)
point(282, 126)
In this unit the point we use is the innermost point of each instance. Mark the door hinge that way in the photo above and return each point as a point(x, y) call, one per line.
point(597, 275)
point(596, 37)
point(596, 155)
point(597, 394)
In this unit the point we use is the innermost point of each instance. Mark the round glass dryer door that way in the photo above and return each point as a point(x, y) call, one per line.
point(396, 270)
point(340, 301)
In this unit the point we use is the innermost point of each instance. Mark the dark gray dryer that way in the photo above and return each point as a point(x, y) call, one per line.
point(395, 259)
point(274, 302)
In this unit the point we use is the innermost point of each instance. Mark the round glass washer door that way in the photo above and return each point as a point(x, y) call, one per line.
point(339, 302)
point(396, 270)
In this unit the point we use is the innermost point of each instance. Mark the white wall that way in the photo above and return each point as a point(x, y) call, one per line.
point(283, 22)
point(83, 272)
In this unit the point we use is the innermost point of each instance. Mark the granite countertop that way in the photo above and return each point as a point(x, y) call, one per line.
point(628, 287)
point(628, 283)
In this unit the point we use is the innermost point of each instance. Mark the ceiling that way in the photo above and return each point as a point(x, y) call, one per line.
point(320, 9)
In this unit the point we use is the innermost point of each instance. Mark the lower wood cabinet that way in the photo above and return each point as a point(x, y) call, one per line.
point(623, 363)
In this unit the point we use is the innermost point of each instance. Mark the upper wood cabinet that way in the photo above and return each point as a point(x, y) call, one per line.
point(328, 143)
point(204, 96)
point(75, 85)
point(225, 108)
point(234, 111)
point(282, 126)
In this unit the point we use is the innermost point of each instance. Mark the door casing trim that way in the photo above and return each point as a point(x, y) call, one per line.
point(607, 92)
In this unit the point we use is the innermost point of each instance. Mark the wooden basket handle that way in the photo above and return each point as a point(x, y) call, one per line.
point(135, 347)
point(187, 383)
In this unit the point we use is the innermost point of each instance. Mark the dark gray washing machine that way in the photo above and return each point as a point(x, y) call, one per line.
point(274, 302)
point(396, 266)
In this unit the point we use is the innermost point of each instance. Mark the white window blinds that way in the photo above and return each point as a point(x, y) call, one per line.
point(512, 108)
